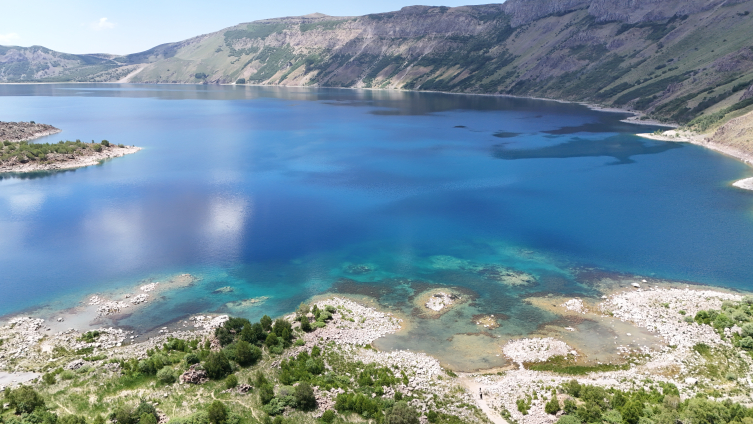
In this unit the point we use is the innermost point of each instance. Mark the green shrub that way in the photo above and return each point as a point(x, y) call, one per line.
point(553, 406)
point(49, 378)
point(240, 81)
point(166, 375)
point(97, 147)
point(304, 396)
point(217, 366)
point(266, 393)
point(72, 419)
point(67, 375)
point(305, 324)
point(24, 400)
point(401, 413)
point(217, 412)
point(246, 354)
point(328, 416)
point(191, 358)
point(105, 143)
point(147, 419)
point(231, 381)
point(568, 419)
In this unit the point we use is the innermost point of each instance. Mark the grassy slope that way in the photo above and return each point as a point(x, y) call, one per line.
point(675, 70)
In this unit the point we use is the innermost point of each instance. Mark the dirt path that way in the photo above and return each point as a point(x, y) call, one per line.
point(127, 78)
point(474, 387)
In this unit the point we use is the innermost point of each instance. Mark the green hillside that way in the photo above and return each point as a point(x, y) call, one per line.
point(677, 61)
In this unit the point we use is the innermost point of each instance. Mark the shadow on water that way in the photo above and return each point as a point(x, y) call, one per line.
point(619, 147)
point(33, 175)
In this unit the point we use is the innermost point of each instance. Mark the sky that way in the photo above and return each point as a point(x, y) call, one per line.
point(122, 27)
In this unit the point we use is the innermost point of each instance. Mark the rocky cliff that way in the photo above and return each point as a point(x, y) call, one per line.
point(676, 60)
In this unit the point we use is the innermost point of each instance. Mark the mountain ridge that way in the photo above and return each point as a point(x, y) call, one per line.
point(677, 61)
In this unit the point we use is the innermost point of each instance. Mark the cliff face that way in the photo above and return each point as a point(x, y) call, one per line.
point(673, 59)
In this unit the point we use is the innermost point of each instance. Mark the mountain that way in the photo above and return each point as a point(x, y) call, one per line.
point(675, 60)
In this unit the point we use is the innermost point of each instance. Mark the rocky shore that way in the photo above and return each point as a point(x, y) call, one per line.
point(20, 131)
point(30, 346)
point(58, 161)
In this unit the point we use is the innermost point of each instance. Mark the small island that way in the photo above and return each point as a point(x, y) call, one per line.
point(17, 154)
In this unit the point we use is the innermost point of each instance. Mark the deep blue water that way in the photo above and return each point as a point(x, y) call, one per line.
point(276, 191)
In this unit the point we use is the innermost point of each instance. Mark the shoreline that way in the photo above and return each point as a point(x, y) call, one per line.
point(652, 308)
point(94, 158)
point(702, 140)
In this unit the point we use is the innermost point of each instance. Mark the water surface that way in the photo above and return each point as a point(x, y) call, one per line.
point(292, 192)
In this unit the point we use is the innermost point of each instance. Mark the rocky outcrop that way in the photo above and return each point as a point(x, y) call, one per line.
point(194, 375)
point(19, 131)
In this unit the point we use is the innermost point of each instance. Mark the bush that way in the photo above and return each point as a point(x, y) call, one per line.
point(553, 406)
point(266, 323)
point(246, 354)
point(568, 419)
point(191, 358)
point(147, 419)
point(97, 147)
point(231, 381)
point(49, 378)
point(328, 416)
point(401, 413)
point(217, 366)
point(217, 412)
point(304, 396)
point(72, 419)
point(24, 400)
point(305, 324)
point(266, 393)
point(105, 143)
point(166, 375)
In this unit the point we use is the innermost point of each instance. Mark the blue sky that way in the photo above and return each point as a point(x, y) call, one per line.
point(120, 27)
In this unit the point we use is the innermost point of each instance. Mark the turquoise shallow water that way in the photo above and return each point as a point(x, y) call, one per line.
point(286, 192)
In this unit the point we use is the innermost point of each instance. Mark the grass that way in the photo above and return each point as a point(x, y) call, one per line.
point(566, 365)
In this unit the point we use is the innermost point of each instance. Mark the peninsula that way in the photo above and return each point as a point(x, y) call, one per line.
point(18, 155)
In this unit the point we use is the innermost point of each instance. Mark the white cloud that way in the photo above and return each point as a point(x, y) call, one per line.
point(101, 24)
point(8, 38)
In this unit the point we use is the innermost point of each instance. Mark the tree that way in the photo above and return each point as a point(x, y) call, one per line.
point(632, 412)
point(105, 143)
point(282, 328)
point(271, 340)
point(304, 396)
point(166, 375)
point(231, 381)
point(217, 366)
point(266, 393)
point(24, 399)
point(246, 354)
point(553, 406)
point(401, 413)
point(328, 416)
point(303, 309)
point(305, 324)
point(217, 412)
point(266, 323)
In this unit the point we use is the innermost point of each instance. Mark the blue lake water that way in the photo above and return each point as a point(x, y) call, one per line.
point(292, 192)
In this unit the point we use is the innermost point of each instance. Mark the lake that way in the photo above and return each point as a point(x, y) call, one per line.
point(280, 194)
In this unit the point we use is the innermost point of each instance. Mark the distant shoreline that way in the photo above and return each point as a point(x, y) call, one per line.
point(703, 141)
point(20, 158)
